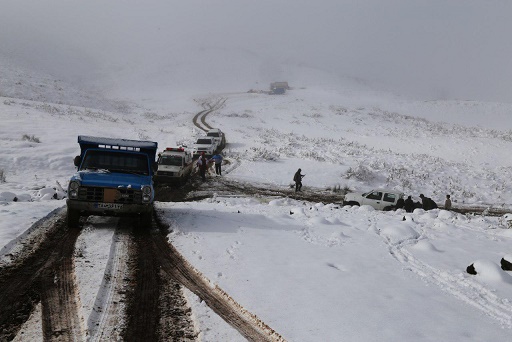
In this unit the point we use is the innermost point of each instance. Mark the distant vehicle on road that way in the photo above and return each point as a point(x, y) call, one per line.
point(208, 145)
point(380, 199)
point(174, 165)
point(219, 137)
point(279, 87)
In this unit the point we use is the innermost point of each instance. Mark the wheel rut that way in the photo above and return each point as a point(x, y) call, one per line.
point(176, 267)
point(45, 275)
point(59, 297)
point(157, 309)
point(106, 321)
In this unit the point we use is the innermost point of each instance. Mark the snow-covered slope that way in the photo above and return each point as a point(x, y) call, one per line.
point(312, 271)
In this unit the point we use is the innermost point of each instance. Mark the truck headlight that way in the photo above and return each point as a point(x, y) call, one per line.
point(73, 189)
point(146, 193)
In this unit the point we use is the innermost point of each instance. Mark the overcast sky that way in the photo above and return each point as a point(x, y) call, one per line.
point(432, 48)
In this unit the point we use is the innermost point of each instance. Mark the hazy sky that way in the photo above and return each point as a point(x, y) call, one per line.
point(441, 48)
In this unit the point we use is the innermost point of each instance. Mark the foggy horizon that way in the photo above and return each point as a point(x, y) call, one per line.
point(428, 49)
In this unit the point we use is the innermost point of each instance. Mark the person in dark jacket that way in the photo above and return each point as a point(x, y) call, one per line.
point(400, 203)
point(427, 203)
point(218, 163)
point(409, 204)
point(297, 178)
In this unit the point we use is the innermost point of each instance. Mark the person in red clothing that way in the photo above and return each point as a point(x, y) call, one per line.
point(202, 165)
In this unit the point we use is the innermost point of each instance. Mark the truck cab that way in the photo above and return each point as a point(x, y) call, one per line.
point(174, 165)
point(114, 178)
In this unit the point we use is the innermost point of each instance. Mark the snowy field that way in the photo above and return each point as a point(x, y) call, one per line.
point(409, 96)
point(311, 271)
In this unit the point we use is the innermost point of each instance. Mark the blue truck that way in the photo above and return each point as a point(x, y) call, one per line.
point(114, 178)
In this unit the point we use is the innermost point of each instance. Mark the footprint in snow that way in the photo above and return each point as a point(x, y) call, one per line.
point(338, 267)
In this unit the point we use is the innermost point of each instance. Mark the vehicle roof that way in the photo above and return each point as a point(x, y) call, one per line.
point(173, 152)
point(83, 139)
point(386, 190)
point(89, 142)
point(205, 137)
point(214, 130)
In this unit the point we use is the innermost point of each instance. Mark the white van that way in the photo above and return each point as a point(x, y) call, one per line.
point(174, 164)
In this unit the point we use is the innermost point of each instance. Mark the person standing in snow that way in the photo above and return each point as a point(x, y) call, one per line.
point(202, 165)
point(448, 203)
point(400, 203)
point(217, 159)
point(297, 178)
point(409, 204)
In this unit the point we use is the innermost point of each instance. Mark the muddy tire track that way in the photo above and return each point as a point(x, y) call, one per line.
point(23, 283)
point(157, 309)
point(176, 320)
point(200, 117)
point(59, 297)
point(227, 187)
point(210, 107)
point(143, 313)
point(175, 266)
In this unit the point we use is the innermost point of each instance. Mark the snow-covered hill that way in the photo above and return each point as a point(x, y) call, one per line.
point(312, 271)
point(340, 138)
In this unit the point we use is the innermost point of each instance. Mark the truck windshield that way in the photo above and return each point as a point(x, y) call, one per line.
point(171, 160)
point(116, 162)
point(204, 141)
point(213, 134)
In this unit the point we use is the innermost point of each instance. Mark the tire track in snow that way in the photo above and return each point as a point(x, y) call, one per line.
point(248, 324)
point(108, 311)
point(201, 116)
point(463, 288)
point(59, 295)
point(34, 273)
point(196, 119)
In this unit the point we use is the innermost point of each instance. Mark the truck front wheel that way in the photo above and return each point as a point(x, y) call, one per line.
point(146, 220)
point(73, 218)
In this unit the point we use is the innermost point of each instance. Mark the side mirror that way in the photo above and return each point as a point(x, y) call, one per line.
point(154, 166)
point(77, 161)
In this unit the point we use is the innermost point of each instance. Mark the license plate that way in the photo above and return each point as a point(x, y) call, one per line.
point(112, 206)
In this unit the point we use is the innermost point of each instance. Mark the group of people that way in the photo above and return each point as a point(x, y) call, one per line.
point(408, 204)
point(202, 164)
point(426, 203)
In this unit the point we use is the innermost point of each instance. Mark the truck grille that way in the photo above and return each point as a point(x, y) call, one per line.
point(97, 194)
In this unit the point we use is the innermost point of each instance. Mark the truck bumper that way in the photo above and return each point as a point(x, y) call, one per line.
point(109, 209)
point(166, 178)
